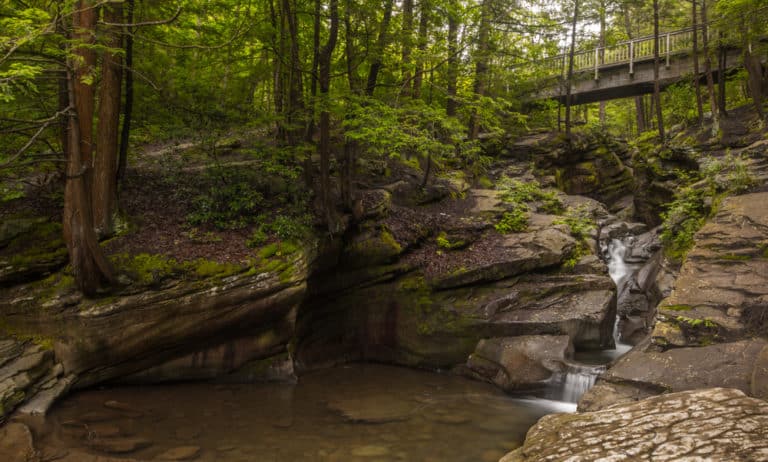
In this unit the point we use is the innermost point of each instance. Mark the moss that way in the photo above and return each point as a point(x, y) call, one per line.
point(444, 243)
point(485, 182)
point(146, 269)
point(203, 268)
point(677, 307)
point(735, 257)
point(269, 251)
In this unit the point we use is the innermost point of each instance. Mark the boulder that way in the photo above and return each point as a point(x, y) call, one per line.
point(24, 369)
point(514, 363)
point(715, 424)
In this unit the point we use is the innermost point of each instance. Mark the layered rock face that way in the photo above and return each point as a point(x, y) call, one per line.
point(711, 330)
point(236, 327)
point(716, 424)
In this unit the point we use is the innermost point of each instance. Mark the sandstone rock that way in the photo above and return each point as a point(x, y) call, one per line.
point(16, 443)
point(121, 445)
point(642, 370)
point(716, 424)
point(370, 451)
point(515, 363)
point(180, 453)
point(373, 409)
point(523, 252)
point(23, 370)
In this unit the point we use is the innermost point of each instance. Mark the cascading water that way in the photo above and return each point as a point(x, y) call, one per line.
point(619, 272)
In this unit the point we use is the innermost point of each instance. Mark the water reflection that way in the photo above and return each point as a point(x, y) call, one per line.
point(359, 412)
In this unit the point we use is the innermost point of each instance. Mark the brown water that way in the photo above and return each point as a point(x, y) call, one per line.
point(353, 413)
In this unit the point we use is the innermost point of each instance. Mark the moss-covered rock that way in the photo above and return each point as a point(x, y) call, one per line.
point(30, 249)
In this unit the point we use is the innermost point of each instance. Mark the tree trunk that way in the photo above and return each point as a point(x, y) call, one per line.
point(481, 65)
point(295, 109)
point(324, 146)
point(452, 72)
point(407, 40)
point(603, 7)
point(313, 76)
point(696, 71)
point(754, 79)
point(721, 96)
point(708, 69)
point(125, 135)
point(90, 268)
point(418, 75)
point(349, 50)
point(378, 54)
point(656, 84)
point(105, 163)
point(569, 76)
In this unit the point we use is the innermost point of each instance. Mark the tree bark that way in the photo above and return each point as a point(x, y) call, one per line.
point(754, 79)
point(603, 8)
point(90, 268)
point(125, 134)
point(481, 65)
point(721, 96)
point(314, 74)
point(656, 84)
point(418, 75)
point(324, 146)
point(381, 44)
point(407, 40)
point(696, 71)
point(451, 105)
point(295, 110)
point(105, 163)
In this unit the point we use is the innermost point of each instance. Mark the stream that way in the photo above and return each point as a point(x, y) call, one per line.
point(358, 412)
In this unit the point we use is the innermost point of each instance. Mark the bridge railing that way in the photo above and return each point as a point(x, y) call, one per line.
point(627, 52)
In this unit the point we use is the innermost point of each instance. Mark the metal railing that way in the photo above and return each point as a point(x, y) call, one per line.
point(627, 52)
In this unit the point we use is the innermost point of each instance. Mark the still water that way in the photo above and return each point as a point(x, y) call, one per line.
point(361, 412)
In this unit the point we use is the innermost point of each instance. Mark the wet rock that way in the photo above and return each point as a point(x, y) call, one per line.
point(370, 451)
point(16, 443)
point(373, 409)
point(24, 369)
point(716, 424)
point(513, 363)
point(180, 453)
point(124, 445)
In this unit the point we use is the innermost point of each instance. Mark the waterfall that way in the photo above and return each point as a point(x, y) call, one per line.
point(619, 271)
point(576, 380)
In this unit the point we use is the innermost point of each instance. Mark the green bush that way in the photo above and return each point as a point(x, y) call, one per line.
point(514, 221)
point(520, 193)
point(228, 200)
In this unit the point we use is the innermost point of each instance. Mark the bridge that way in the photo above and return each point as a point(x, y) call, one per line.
point(626, 68)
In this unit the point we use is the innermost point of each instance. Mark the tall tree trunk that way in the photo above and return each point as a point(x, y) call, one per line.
point(349, 49)
point(105, 163)
point(418, 75)
point(407, 41)
point(482, 60)
point(325, 116)
point(90, 267)
point(754, 78)
point(708, 69)
point(721, 96)
point(656, 84)
point(314, 75)
point(452, 73)
point(696, 71)
point(295, 109)
point(378, 55)
point(278, 72)
point(569, 76)
point(125, 134)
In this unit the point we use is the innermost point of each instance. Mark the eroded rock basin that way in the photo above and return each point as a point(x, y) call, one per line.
point(360, 412)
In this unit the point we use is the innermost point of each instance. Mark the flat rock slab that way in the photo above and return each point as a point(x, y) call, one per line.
point(373, 409)
point(731, 365)
point(180, 453)
point(716, 424)
point(16, 443)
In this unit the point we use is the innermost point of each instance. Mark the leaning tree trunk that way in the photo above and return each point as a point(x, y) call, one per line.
point(105, 163)
point(125, 134)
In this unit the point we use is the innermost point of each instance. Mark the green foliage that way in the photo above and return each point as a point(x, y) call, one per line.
point(514, 221)
point(679, 104)
point(520, 193)
point(444, 243)
point(580, 225)
point(579, 222)
point(694, 202)
point(283, 227)
point(228, 201)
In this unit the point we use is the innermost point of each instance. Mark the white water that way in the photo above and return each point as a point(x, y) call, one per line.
point(619, 271)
